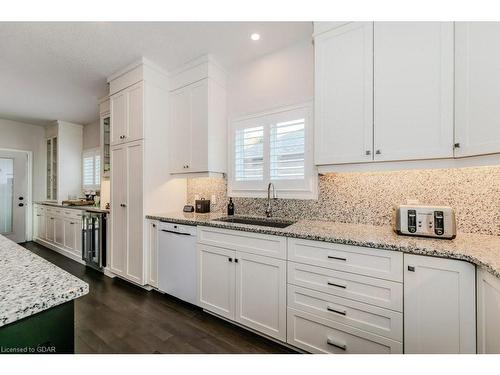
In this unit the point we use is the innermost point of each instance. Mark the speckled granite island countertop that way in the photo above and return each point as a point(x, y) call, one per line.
point(482, 250)
point(29, 284)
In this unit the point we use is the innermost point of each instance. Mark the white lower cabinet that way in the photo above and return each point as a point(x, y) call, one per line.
point(247, 288)
point(488, 313)
point(439, 301)
point(318, 335)
point(216, 277)
point(60, 229)
point(261, 294)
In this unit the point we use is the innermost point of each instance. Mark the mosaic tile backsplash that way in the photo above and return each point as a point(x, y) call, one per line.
point(369, 197)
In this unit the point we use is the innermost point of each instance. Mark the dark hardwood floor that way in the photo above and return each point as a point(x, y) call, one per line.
point(118, 317)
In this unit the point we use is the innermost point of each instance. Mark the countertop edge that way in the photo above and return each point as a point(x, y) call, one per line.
point(417, 250)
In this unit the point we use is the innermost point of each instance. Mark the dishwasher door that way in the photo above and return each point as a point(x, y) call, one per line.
point(177, 261)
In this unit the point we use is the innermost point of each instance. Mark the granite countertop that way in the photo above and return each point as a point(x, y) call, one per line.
point(481, 250)
point(29, 284)
point(83, 208)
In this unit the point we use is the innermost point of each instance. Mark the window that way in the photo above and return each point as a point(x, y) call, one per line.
point(273, 147)
point(91, 169)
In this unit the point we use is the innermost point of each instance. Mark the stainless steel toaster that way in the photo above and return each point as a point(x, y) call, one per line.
point(428, 221)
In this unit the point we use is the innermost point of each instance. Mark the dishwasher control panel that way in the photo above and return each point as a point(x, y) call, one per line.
point(428, 221)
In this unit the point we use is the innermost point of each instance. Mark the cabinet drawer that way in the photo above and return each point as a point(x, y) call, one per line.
point(72, 214)
point(369, 318)
point(254, 243)
point(383, 264)
point(318, 335)
point(387, 294)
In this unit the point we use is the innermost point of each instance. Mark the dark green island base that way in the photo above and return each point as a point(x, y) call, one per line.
point(51, 331)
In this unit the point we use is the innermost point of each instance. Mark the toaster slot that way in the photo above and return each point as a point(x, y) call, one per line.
point(439, 223)
point(412, 221)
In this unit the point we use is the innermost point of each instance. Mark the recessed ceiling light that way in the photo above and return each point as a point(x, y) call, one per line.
point(255, 36)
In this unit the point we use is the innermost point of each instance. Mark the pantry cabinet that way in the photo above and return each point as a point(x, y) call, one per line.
point(344, 94)
point(127, 255)
point(477, 88)
point(488, 313)
point(413, 90)
point(439, 306)
point(126, 109)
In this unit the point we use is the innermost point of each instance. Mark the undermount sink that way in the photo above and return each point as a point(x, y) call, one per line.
point(275, 223)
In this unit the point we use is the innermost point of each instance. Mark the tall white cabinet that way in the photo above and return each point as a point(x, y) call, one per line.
point(439, 306)
point(413, 90)
point(140, 182)
point(477, 88)
point(64, 144)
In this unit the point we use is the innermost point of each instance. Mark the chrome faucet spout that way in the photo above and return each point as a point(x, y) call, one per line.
point(269, 209)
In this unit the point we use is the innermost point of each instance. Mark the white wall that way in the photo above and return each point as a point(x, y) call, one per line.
point(281, 78)
point(91, 135)
point(27, 137)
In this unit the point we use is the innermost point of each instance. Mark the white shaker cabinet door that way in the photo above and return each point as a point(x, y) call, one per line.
point(180, 130)
point(118, 253)
point(343, 131)
point(488, 313)
point(439, 306)
point(477, 88)
point(261, 294)
point(119, 117)
point(413, 90)
point(216, 275)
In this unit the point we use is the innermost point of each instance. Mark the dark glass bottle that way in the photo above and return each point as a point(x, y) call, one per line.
point(230, 207)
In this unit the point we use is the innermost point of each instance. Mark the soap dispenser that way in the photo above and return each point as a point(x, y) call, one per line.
point(230, 207)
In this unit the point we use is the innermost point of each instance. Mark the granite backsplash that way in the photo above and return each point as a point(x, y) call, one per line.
point(369, 197)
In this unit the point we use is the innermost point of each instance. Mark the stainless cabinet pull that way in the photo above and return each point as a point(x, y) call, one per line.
point(337, 258)
point(123, 205)
point(336, 311)
point(337, 285)
point(235, 260)
point(72, 223)
point(38, 215)
point(154, 225)
point(411, 268)
point(456, 145)
point(230, 259)
point(378, 152)
point(368, 152)
point(332, 342)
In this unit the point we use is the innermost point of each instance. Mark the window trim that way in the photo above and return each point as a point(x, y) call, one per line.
point(94, 152)
point(284, 188)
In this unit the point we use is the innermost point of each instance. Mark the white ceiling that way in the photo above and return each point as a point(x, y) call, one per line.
point(52, 71)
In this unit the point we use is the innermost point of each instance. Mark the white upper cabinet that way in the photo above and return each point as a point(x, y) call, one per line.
point(477, 88)
point(197, 124)
point(127, 115)
point(439, 306)
point(344, 94)
point(413, 90)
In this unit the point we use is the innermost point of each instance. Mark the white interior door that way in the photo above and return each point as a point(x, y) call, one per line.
point(13, 194)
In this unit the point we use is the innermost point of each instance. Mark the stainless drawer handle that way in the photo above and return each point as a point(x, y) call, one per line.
point(335, 343)
point(337, 285)
point(336, 311)
point(337, 258)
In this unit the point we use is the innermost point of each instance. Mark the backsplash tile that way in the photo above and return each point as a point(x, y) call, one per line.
point(369, 197)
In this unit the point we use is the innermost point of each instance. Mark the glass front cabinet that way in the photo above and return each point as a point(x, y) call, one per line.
point(51, 168)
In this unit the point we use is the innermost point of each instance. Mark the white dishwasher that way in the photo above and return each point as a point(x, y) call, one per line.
point(177, 261)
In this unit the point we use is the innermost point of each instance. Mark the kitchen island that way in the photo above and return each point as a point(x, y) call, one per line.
point(36, 302)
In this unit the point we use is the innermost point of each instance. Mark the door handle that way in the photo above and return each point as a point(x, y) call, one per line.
point(337, 344)
point(21, 198)
point(171, 231)
point(21, 204)
point(337, 285)
point(336, 311)
point(337, 258)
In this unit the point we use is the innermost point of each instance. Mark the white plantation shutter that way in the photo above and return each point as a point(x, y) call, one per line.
point(273, 147)
point(287, 150)
point(91, 169)
point(249, 154)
